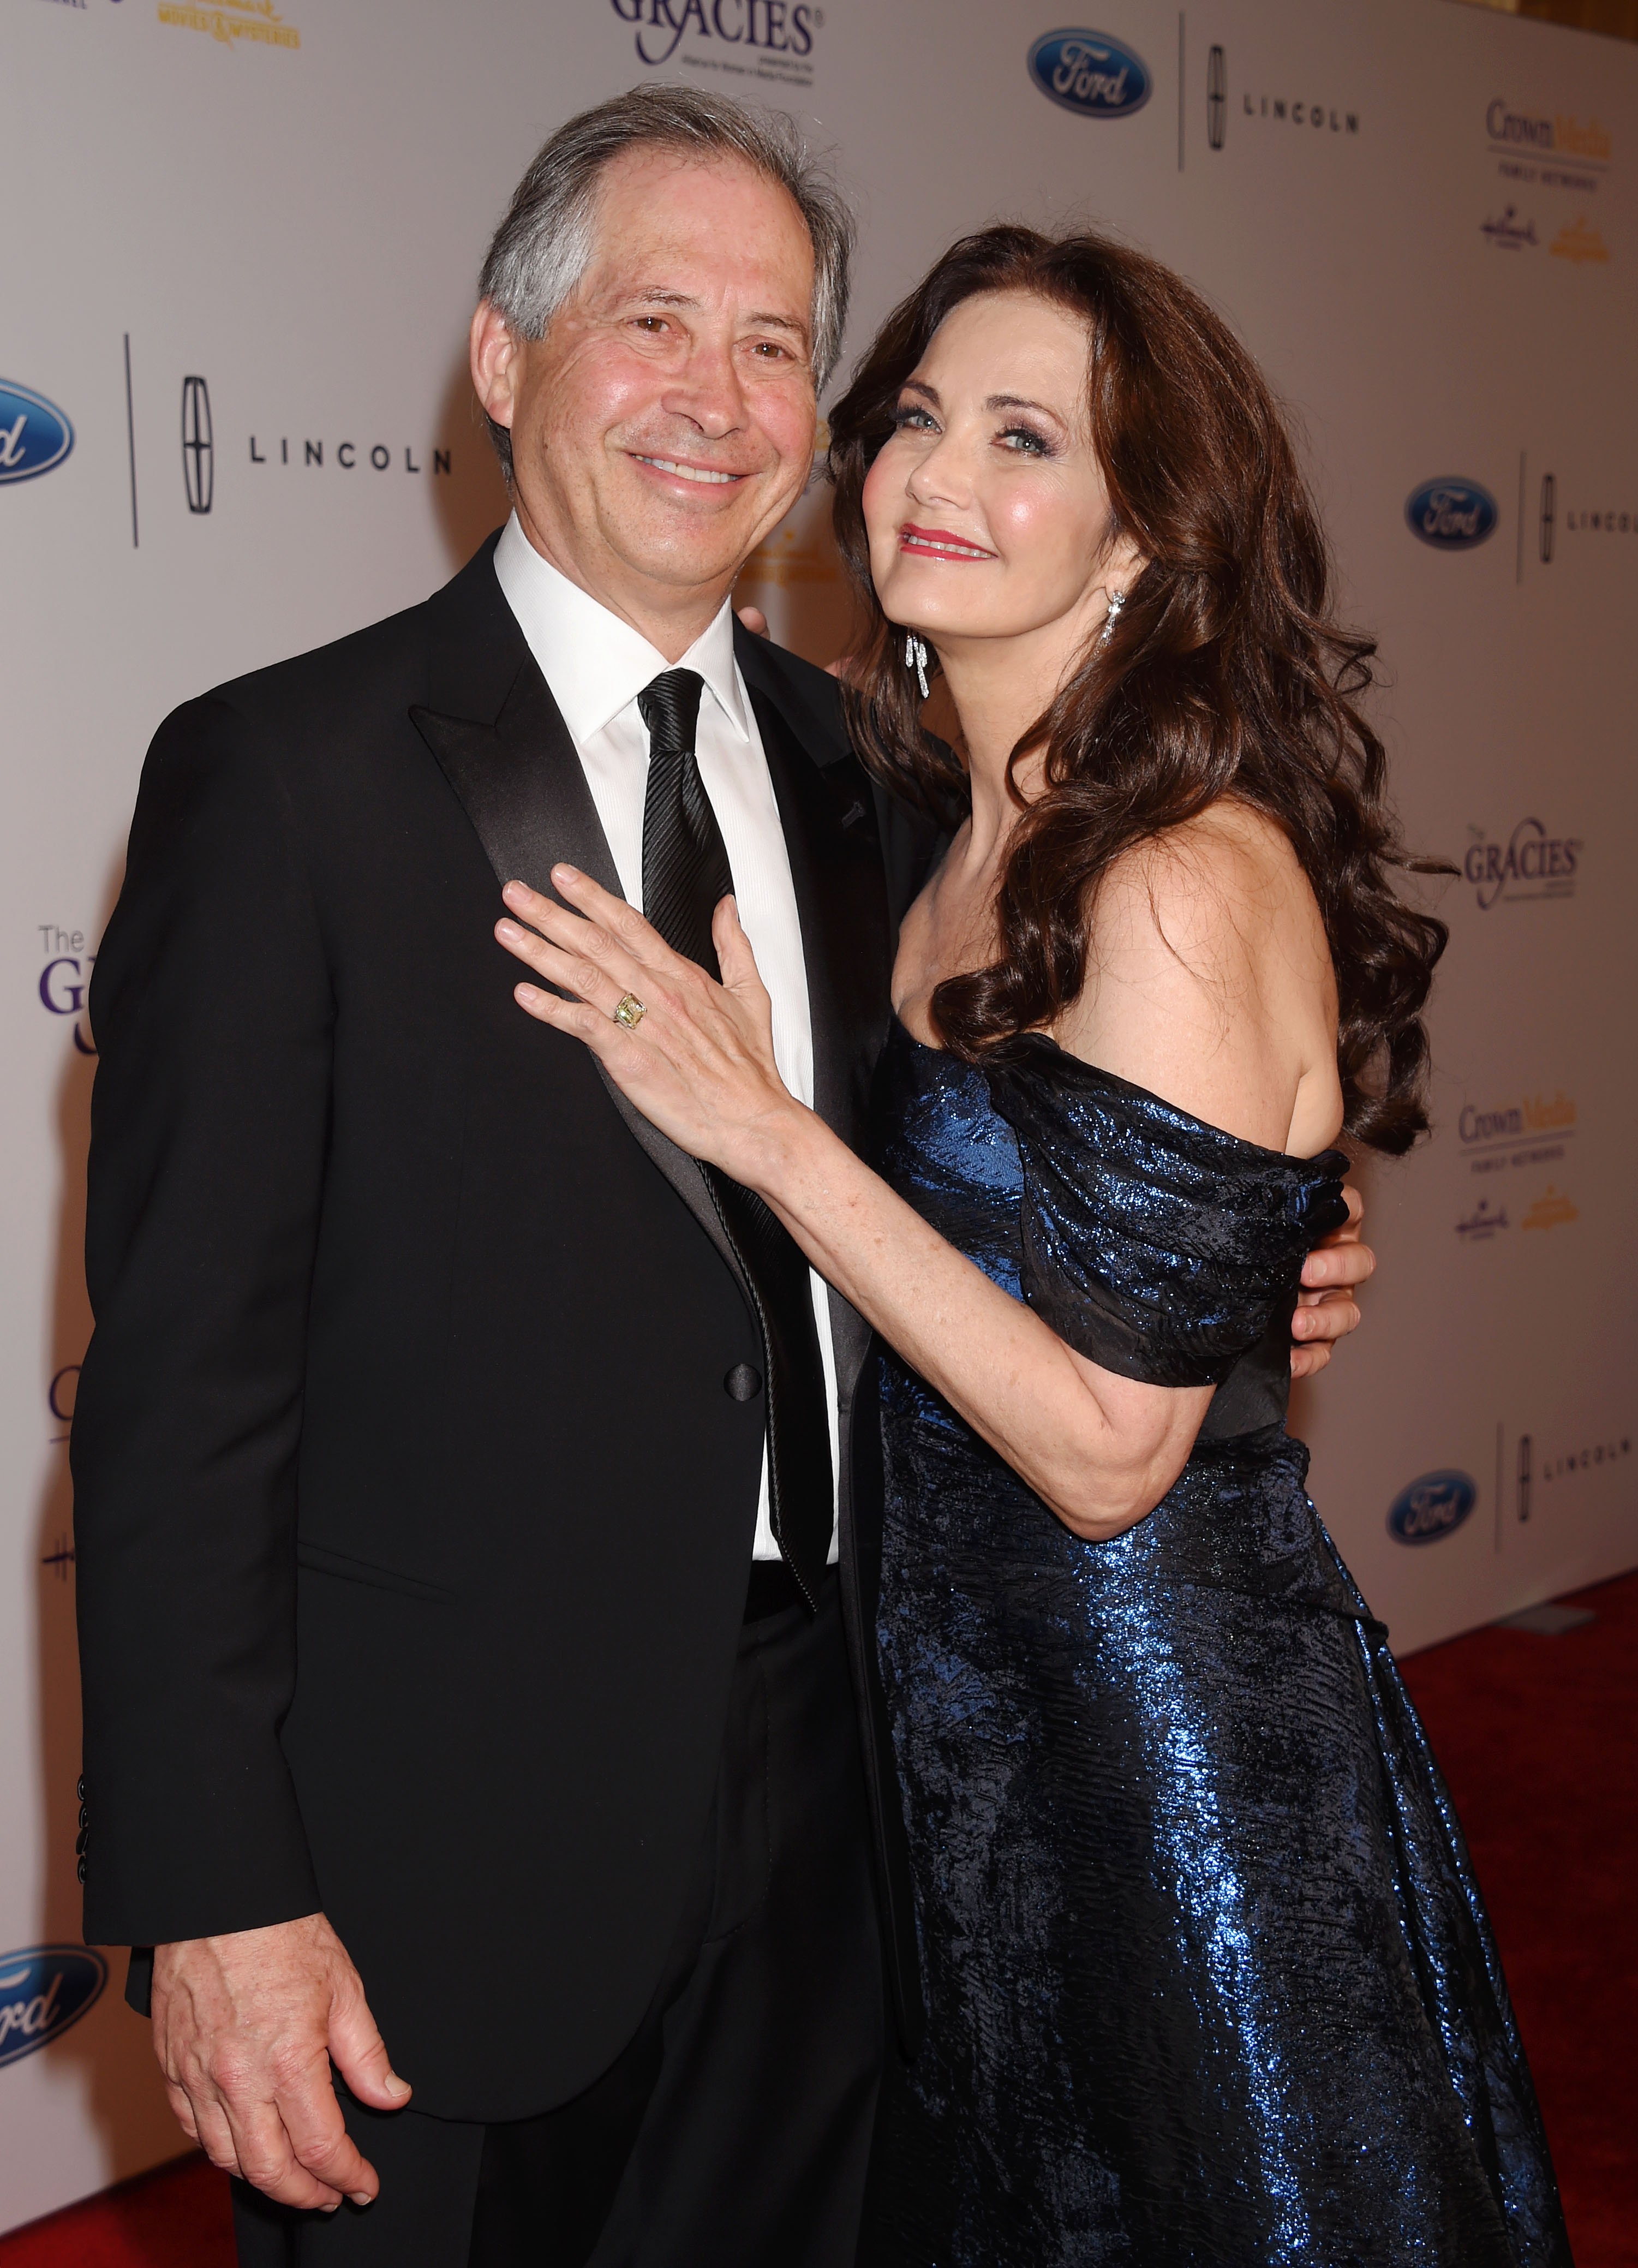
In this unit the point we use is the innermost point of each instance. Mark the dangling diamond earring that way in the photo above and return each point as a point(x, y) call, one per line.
point(1117, 599)
point(915, 658)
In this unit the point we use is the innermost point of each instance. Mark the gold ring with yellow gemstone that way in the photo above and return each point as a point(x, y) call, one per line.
point(629, 1011)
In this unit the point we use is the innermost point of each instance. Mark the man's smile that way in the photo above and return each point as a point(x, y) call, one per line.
point(704, 473)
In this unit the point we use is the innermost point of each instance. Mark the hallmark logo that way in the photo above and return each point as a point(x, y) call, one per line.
point(1482, 1223)
point(1508, 231)
point(1532, 863)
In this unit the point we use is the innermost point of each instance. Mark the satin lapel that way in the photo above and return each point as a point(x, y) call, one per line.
point(520, 782)
point(829, 819)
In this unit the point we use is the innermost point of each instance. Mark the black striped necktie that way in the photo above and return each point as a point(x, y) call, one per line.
point(684, 873)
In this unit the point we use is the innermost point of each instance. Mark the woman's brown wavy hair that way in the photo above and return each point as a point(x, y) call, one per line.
point(1225, 674)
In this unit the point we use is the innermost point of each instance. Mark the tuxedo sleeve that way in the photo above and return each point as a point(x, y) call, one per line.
point(212, 1014)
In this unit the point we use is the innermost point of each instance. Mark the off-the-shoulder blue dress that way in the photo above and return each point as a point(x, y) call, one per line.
point(1209, 1977)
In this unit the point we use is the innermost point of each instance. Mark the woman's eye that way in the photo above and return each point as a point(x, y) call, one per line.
point(913, 420)
point(1024, 441)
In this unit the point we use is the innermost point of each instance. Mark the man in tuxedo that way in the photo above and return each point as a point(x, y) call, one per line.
point(474, 1499)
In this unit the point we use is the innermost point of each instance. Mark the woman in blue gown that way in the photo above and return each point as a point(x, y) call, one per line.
point(1208, 1981)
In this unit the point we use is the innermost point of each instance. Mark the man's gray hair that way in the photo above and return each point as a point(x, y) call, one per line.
point(543, 246)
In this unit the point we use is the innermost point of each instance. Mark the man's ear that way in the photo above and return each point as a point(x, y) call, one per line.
point(493, 348)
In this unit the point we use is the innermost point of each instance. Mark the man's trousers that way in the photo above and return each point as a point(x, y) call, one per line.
point(733, 2131)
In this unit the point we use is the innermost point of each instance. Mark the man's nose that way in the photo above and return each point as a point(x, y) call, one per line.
point(708, 392)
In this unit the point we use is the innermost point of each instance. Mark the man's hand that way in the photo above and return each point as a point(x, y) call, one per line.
point(245, 2027)
point(1325, 1309)
point(756, 621)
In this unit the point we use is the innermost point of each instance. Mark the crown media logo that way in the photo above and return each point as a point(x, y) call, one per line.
point(1451, 514)
point(1090, 73)
point(35, 435)
point(43, 1990)
point(1432, 1507)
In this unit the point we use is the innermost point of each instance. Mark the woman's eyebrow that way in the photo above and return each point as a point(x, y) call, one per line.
point(1023, 402)
point(919, 386)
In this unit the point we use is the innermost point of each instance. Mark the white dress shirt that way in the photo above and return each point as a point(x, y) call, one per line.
point(596, 665)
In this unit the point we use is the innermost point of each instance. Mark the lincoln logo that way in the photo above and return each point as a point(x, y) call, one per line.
point(1549, 515)
point(199, 453)
point(1216, 98)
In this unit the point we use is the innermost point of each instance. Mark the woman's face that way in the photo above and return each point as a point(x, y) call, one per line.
point(986, 509)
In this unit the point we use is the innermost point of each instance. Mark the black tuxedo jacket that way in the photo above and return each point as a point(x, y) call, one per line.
point(412, 1516)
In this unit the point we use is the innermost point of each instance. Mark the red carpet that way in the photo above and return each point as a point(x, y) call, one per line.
point(1538, 1737)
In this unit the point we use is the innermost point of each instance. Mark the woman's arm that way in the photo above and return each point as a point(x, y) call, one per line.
point(1101, 1449)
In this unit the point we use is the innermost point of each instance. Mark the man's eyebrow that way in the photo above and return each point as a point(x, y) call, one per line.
point(771, 322)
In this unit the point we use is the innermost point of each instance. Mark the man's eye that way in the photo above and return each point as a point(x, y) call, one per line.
point(772, 349)
point(651, 323)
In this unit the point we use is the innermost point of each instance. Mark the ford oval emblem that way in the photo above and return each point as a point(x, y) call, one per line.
point(35, 435)
point(1090, 73)
point(1451, 515)
point(43, 1990)
point(1430, 1507)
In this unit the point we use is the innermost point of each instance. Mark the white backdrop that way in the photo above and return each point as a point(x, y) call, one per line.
point(237, 257)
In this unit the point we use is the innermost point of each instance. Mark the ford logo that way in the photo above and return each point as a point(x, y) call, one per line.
point(1091, 73)
point(44, 1990)
point(1451, 515)
point(35, 435)
point(1432, 1506)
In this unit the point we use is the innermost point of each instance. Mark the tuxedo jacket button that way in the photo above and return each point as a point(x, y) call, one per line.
point(743, 1383)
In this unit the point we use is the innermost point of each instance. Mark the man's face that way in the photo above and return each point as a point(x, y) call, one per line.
point(665, 423)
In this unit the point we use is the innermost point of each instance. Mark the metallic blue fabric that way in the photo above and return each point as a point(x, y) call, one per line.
point(1209, 1977)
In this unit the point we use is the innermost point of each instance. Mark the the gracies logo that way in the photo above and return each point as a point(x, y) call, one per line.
point(784, 27)
point(1452, 515)
point(35, 435)
point(1091, 73)
point(43, 1990)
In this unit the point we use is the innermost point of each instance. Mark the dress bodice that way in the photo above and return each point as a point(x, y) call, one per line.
point(1159, 1247)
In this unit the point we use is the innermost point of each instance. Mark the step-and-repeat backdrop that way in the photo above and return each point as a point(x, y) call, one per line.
point(238, 254)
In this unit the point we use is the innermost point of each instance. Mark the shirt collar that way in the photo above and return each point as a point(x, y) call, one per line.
point(596, 664)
